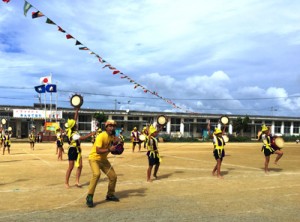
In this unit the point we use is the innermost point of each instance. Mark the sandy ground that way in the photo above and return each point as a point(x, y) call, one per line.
point(32, 186)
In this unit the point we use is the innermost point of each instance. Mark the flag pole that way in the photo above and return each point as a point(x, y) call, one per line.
point(45, 108)
point(56, 103)
point(51, 99)
point(51, 107)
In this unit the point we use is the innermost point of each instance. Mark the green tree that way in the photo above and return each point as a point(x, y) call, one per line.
point(241, 125)
point(100, 117)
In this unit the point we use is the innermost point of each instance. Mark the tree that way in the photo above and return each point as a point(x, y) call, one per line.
point(100, 117)
point(241, 125)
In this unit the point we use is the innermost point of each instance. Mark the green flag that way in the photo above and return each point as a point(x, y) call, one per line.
point(27, 6)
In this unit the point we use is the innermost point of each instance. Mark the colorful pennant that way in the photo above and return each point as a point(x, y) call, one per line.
point(115, 71)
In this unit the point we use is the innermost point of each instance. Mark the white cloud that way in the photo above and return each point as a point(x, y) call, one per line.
point(202, 54)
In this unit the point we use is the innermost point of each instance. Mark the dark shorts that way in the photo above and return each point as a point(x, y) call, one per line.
point(153, 159)
point(219, 154)
point(267, 152)
point(73, 154)
point(59, 143)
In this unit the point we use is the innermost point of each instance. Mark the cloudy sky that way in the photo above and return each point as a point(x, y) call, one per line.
point(224, 57)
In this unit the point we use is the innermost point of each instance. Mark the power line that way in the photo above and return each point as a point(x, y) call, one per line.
point(143, 97)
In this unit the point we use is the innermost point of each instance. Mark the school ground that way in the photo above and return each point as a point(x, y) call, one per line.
point(32, 186)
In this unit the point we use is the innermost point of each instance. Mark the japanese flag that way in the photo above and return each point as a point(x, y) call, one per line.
point(45, 80)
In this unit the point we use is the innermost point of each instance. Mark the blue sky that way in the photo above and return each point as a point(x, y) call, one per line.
point(225, 57)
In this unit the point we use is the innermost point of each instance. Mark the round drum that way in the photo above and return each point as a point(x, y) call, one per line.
point(76, 100)
point(3, 121)
point(76, 136)
point(225, 138)
point(142, 137)
point(277, 143)
point(119, 149)
point(162, 120)
point(224, 120)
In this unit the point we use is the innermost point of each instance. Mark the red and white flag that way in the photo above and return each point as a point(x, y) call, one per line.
point(45, 80)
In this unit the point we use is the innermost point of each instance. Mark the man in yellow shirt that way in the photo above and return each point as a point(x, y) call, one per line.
point(104, 144)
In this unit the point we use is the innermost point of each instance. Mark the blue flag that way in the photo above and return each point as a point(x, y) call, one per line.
point(51, 88)
point(40, 89)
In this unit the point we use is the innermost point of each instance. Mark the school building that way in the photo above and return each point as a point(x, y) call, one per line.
point(22, 118)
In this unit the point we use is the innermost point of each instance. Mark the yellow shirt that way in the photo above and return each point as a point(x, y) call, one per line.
point(103, 140)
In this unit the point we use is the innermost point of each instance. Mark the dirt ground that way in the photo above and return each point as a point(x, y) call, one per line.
point(32, 186)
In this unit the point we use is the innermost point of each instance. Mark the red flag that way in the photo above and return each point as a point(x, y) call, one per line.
point(37, 14)
point(116, 72)
point(68, 36)
point(61, 30)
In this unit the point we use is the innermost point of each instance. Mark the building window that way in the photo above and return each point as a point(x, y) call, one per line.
point(133, 118)
point(116, 118)
point(277, 128)
point(84, 122)
point(296, 128)
point(175, 124)
point(287, 127)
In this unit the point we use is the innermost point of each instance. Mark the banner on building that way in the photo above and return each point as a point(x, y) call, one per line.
point(51, 126)
point(36, 114)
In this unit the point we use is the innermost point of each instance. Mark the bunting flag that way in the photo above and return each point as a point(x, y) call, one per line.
point(37, 14)
point(68, 36)
point(40, 89)
point(46, 81)
point(27, 6)
point(116, 72)
point(49, 21)
point(51, 88)
point(61, 30)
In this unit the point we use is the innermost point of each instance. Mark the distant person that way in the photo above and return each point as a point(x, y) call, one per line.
point(152, 153)
point(134, 136)
point(145, 133)
point(32, 138)
point(93, 138)
point(1, 138)
point(74, 151)
point(267, 147)
point(121, 136)
point(104, 144)
point(218, 150)
point(6, 142)
point(59, 143)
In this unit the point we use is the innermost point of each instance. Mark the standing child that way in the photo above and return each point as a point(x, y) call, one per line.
point(134, 136)
point(74, 152)
point(7, 142)
point(1, 138)
point(59, 143)
point(152, 153)
point(218, 151)
point(31, 138)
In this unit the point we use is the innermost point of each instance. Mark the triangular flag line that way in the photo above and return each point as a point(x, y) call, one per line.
point(27, 6)
point(38, 13)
